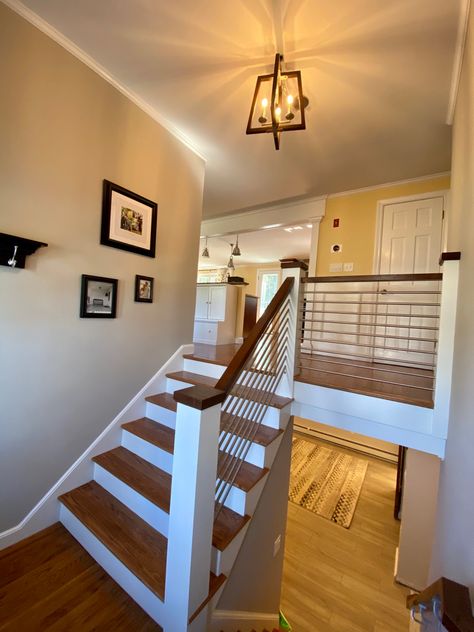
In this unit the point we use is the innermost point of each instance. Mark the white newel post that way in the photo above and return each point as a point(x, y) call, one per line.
point(296, 269)
point(447, 326)
point(191, 518)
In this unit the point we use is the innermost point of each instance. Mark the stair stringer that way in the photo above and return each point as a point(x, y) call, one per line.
point(46, 511)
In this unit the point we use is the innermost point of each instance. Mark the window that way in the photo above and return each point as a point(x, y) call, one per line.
point(268, 284)
point(214, 276)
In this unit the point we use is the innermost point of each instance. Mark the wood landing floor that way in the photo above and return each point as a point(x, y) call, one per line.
point(387, 381)
point(341, 580)
point(50, 583)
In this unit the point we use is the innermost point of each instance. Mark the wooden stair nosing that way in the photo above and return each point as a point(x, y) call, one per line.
point(152, 431)
point(263, 435)
point(165, 400)
point(227, 525)
point(127, 536)
point(188, 377)
point(145, 478)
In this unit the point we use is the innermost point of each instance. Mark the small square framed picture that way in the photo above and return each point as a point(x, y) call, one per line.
point(98, 297)
point(143, 289)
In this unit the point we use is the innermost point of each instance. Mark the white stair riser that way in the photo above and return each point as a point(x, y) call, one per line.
point(255, 455)
point(245, 502)
point(204, 368)
point(114, 567)
point(148, 451)
point(162, 415)
point(153, 515)
point(271, 417)
point(223, 561)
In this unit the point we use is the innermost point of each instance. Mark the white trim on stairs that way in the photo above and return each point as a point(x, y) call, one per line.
point(231, 620)
point(46, 511)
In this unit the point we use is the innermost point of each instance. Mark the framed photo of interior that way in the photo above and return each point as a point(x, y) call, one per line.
point(128, 220)
point(98, 297)
point(143, 289)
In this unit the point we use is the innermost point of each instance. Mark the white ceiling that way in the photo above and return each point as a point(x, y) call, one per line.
point(260, 246)
point(376, 72)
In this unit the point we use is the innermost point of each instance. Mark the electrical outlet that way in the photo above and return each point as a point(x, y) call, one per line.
point(335, 267)
point(348, 267)
point(276, 546)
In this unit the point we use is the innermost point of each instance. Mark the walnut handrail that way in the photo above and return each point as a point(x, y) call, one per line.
point(383, 278)
point(455, 602)
point(231, 374)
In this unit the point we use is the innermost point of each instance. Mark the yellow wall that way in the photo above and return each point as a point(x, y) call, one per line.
point(357, 219)
point(249, 273)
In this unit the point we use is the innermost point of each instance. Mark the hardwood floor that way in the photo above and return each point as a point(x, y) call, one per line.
point(341, 580)
point(401, 384)
point(50, 583)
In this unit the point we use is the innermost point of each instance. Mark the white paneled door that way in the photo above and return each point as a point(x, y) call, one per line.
point(411, 236)
point(410, 244)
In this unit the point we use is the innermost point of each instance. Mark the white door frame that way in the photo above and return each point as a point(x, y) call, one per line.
point(444, 193)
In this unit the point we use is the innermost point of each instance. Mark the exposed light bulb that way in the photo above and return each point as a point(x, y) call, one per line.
point(289, 99)
point(264, 102)
point(262, 119)
point(278, 112)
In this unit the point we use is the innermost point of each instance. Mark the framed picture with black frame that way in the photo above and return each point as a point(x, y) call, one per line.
point(129, 220)
point(143, 289)
point(98, 297)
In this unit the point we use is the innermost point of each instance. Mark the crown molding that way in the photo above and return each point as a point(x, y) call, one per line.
point(49, 30)
point(458, 58)
point(385, 185)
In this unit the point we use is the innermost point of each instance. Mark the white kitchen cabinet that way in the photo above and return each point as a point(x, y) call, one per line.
point(215, 314)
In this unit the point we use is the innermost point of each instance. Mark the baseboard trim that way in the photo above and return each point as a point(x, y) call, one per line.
point(46, 511)
point(231, 620)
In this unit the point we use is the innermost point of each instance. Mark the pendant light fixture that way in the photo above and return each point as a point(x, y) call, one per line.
point(230, 263)
point(278, 103)
point(205, 252)
point(236, 251)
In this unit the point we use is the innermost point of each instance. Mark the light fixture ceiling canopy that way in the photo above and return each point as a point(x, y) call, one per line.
point(278, 103)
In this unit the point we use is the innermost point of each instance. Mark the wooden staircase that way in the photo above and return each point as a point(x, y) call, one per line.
point(121, 516)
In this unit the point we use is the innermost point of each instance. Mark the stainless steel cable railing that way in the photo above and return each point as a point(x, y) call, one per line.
point(251, 381)
point(349, 323)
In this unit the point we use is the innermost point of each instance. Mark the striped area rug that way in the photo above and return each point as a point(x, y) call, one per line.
point(325, 481)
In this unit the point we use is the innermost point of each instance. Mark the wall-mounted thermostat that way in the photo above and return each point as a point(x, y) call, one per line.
point(336, 248)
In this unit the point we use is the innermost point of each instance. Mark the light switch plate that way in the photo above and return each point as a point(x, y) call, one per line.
point(335, 267)
point(348, 267)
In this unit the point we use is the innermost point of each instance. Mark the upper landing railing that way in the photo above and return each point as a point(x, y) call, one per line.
point(390, 319)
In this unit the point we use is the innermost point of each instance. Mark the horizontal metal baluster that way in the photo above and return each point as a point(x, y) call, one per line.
point(371, 379)
point(379, 314)
point(367, 346)
point(361, 334)
point(347, 354)
point(371, 324)
point(392, 303)
point(380, 367)
point(382, 292)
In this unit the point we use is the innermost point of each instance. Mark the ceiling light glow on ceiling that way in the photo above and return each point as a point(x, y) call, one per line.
point(278, 103)
point(271, 226)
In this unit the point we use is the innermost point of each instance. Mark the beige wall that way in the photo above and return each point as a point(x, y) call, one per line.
point(62, 378)
point(454, 541)
point(357, 223)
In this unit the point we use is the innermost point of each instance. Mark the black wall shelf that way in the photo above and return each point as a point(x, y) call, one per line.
point(24, 247)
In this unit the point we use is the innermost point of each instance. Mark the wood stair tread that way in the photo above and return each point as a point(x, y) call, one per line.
point(159, 435)
point(137, 545)
point(195, 379)
point(226, 527)
point(264, 435)
point(248, 474)
point(165, 400)
point(145, 478)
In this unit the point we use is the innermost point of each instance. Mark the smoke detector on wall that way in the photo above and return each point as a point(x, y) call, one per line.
point(336, 248)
